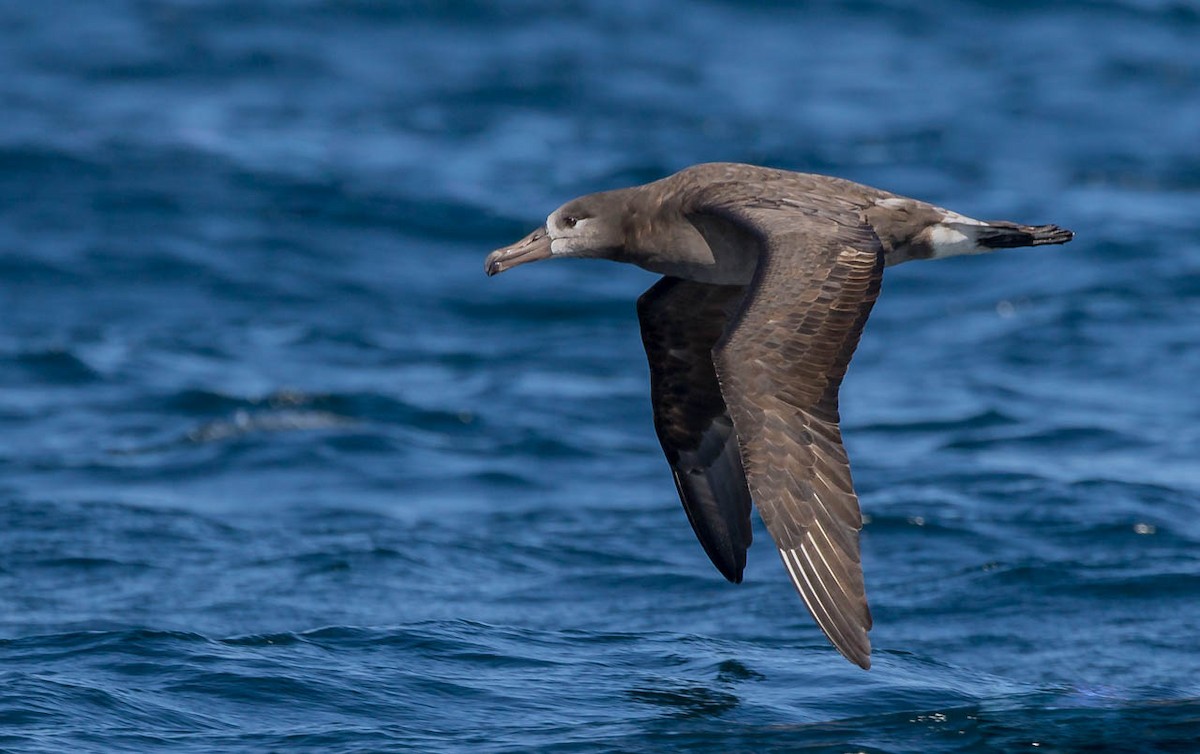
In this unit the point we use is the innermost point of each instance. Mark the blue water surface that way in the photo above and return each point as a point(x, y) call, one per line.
point(281, 470)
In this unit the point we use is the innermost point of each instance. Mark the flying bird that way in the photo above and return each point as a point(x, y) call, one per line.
point(768, 278)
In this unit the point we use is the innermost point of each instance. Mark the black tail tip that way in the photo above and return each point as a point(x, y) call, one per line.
point(1044, 234)
point(1005, 235)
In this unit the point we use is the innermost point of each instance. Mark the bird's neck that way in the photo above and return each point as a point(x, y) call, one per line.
point(661, 238)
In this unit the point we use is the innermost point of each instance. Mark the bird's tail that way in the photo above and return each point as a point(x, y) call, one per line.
point(1000, 234)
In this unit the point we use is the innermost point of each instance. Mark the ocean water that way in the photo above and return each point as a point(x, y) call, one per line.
point(281, 470)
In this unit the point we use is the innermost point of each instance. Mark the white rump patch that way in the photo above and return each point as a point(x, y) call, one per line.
point(949, 241)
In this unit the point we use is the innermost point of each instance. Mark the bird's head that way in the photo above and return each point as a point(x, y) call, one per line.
point(591, 226)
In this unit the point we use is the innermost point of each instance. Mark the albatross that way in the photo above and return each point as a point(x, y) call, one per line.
point(768, 277)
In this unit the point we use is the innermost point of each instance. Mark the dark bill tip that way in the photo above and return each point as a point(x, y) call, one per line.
point(531, 248)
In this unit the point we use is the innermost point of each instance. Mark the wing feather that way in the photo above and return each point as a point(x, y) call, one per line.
point(780, 365)
point(681, 322)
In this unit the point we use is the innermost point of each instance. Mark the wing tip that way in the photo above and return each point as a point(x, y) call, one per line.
point(858, 653)
point(854, 645)
point(861, 659)
point(731, 570)
point(723, 539)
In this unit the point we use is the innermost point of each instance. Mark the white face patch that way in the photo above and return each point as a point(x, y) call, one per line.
point(557, 245)
point(561, 235)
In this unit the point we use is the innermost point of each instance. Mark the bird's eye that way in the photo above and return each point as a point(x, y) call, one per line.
point(570, 221)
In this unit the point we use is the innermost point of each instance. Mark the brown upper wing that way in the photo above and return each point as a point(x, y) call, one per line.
point(681, 322)
point(780, 365)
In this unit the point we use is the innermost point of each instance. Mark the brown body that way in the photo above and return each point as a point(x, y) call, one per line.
point(769, 277)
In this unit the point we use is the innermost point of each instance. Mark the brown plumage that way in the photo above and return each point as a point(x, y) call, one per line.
point(769, 277)
point(681, 323)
